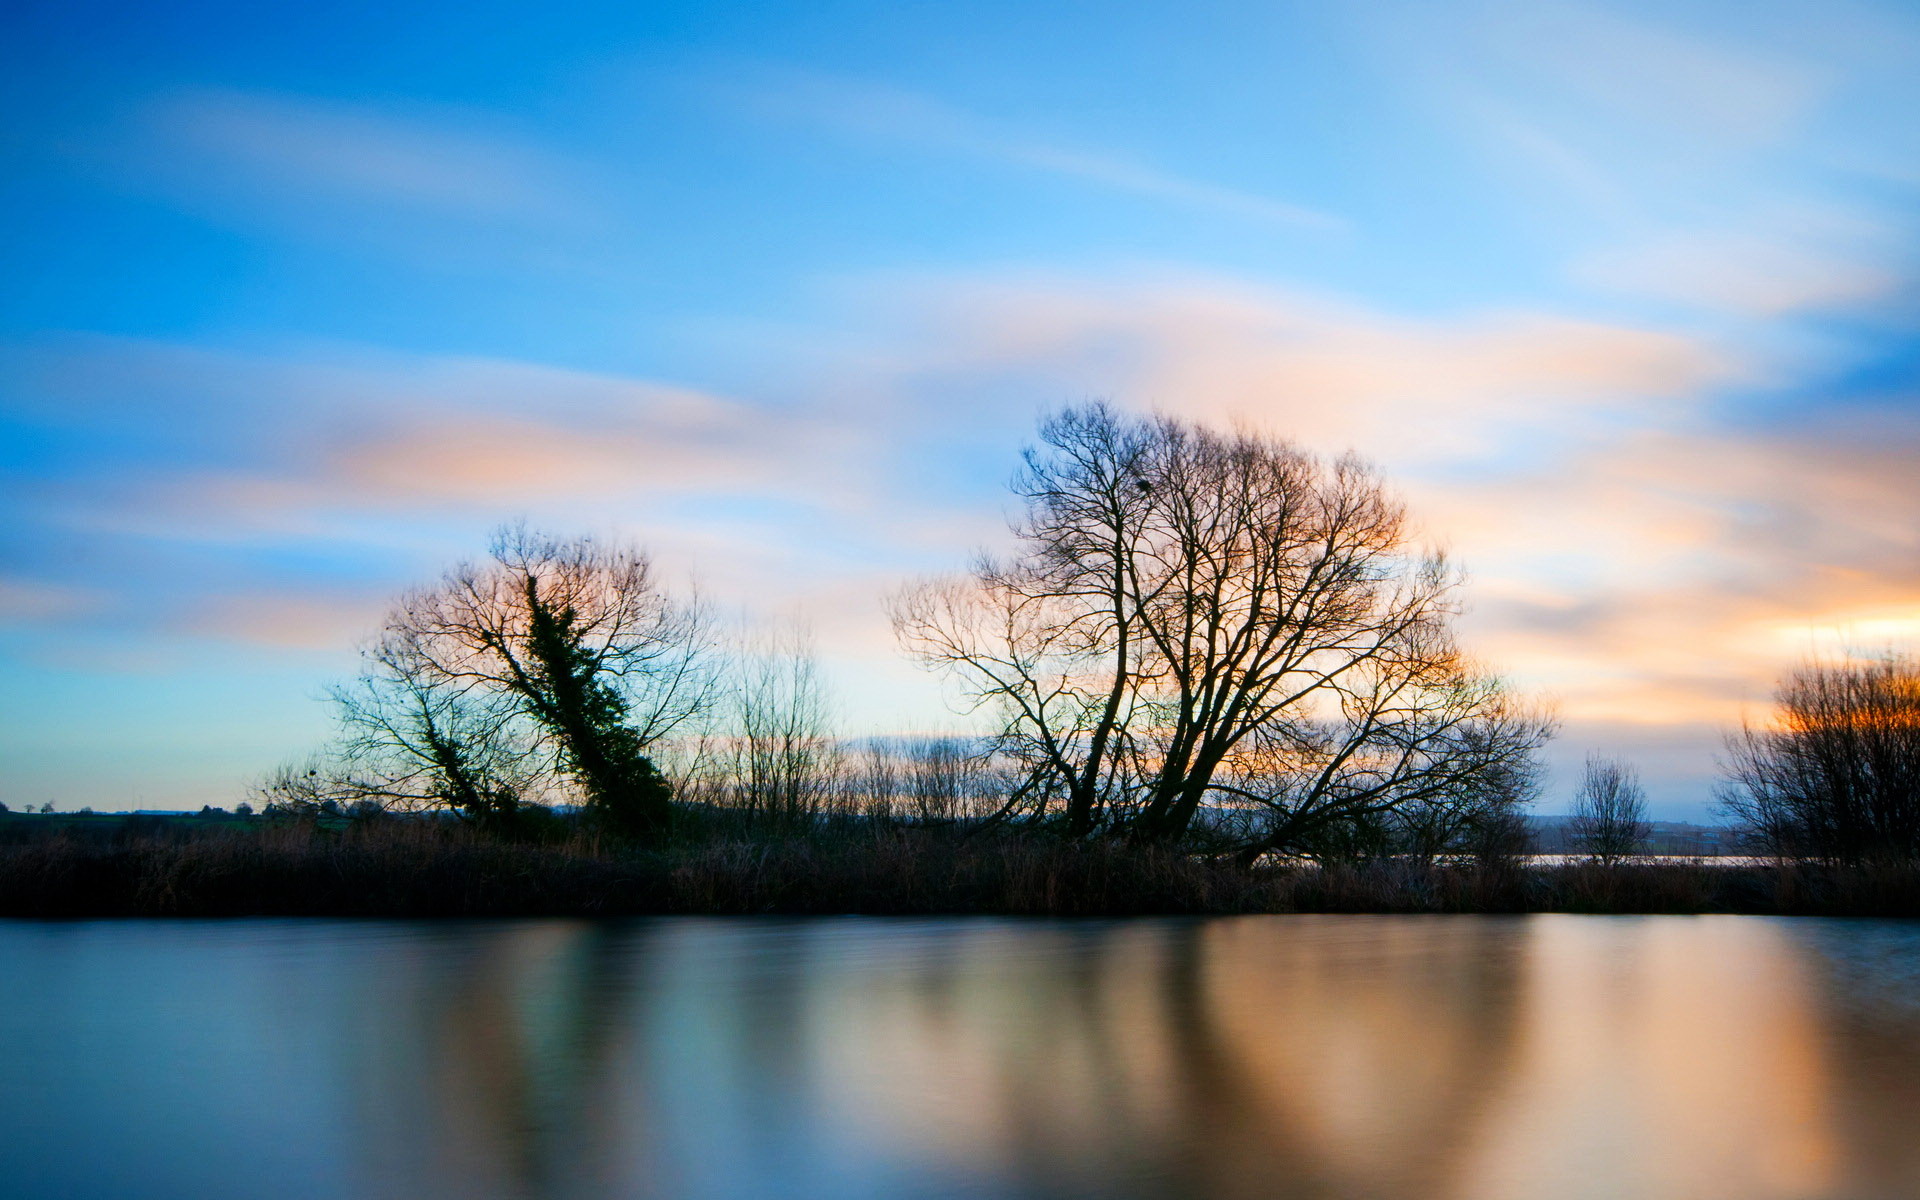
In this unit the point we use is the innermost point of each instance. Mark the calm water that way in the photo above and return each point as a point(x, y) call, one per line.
point(1273, 1057)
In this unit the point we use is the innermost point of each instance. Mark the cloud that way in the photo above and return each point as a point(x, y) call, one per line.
point(1329, 373)
point(332, 434)
point(350, 429)
point(1670, 576)
point(884, 113)
point(1680, 152)
point(1664, 79)
point(1805, 260)
point(310, 464)
point(651, 441)
point(299, 617)
point(1618, 111)
point(34, 601)
point(302, 146)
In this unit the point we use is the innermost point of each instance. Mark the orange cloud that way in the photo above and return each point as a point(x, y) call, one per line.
point(1324, 372)
point(288, 620)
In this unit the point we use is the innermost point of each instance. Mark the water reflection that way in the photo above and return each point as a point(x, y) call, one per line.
point(1291, 1057)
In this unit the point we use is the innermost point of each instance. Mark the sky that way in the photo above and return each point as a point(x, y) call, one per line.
point(302, 300)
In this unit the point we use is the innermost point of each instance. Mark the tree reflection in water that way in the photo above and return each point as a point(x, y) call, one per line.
point(1292, 1057)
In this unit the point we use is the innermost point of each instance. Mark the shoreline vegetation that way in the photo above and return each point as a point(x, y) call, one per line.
point(186, 866)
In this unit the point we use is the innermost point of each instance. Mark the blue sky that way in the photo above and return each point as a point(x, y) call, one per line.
point(302, 301)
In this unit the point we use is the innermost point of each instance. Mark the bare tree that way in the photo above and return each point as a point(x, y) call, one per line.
point(1201, 618)
point(779, 754)
point(1482, 820)
point(414, 742)
point(1609, 812)
point(584, 644)
point(305, 787)
point(944, 777)
point(868, 782)
point(1836, 775)
point(1418, 751)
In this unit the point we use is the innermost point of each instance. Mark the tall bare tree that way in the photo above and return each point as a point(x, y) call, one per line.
point(1201, 618)
point(1052, 638)
point(1609, 812)
point(1836, 774)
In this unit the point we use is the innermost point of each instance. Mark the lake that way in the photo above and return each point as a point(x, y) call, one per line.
point(1349, 1057)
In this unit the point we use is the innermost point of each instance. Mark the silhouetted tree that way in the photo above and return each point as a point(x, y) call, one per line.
point(947, 778)
point(1609, 812)
point(1501, 837)
point(580, 639)
point(775, 753)
point(870, 781)
point(306, 788)
point(417, 741)
point(1480, 819)
point(1198, 618)
point(1836, 774)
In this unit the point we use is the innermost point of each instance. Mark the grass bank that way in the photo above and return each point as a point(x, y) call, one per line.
point(185, 867)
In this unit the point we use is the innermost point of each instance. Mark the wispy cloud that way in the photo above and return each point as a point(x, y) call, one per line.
point(910, 118)
point(1331, 372)
point(1807, 259)
point(351, 429)
point(302, 618)
point(37, 601)
point(1683, 569)
point(1600, 102)
point(1667, 80)
point(441, 161)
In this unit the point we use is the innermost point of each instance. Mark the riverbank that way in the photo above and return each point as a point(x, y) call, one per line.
point(188, 867)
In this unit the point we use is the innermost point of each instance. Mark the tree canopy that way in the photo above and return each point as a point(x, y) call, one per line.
point(1198, 622)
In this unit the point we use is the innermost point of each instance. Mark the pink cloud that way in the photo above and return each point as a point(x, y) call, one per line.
point(1328, 373)
point(33, 601)
point(1693, 567)
point(330, 622)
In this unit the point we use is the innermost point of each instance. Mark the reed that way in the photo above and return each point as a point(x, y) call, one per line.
point(419, 868)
